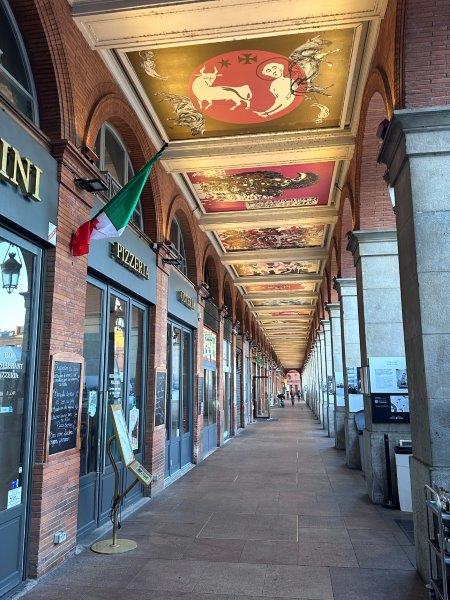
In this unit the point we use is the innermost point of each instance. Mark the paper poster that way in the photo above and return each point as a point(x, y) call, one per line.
point(355, 402)
point(339, 384)
point(14, 497)
point(92, 403)
point(388, 375)
point(399, 404)
point(354, 380)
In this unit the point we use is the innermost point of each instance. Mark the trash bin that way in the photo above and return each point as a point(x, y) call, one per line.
point(402, 453)
point(360, 423)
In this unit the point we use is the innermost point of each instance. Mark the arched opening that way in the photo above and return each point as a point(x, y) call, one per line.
point(180, 234)
point(374, 205)
point(115, 165)
point(16, 79)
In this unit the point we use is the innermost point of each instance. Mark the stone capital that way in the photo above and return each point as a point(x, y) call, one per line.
point(365, 242)
point(334, 310)
point(414, 132)
point(345, 286)
point(325, 325)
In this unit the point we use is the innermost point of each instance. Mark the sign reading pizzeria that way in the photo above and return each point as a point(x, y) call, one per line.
point(129, 260)
point(186, 300)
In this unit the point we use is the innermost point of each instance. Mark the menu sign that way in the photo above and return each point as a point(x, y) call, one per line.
point(65, 410)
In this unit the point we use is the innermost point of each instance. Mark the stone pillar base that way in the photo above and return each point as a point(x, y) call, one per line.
point(375, 462)
point(324, 416)
point(351, 443)
point(331, 432)
point(423, 474)
point(339, 427)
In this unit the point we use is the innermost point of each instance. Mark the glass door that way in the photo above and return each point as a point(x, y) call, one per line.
point(227, 398)
point(19, 297)
point(115, 351)
point(179, 398)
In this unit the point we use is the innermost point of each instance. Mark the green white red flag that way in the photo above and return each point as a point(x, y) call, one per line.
point(112, 219)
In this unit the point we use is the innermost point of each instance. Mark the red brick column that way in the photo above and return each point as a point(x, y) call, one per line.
point(155, 439)
point(199, 383)
point(54, 487)
point(220, 381)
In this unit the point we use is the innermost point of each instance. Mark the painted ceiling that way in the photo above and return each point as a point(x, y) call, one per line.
point(261, 109)
point(272, 237)
point(223, 190)
point(259, 85)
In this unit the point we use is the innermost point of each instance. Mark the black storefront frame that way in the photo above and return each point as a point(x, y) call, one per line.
point(103, 475)
point(30, 413)
point(186, 441)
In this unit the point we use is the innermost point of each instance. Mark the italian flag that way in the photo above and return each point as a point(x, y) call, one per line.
point(112, 219)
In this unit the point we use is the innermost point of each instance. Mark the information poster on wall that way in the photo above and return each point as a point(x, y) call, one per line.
point(355, 397)
point(339, 384)
point(388, 375)
point(390, 408)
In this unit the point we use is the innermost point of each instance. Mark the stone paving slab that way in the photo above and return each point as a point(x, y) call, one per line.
point(273, 514)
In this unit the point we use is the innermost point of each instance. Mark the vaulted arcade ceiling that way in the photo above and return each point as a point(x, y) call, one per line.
point(260, 102)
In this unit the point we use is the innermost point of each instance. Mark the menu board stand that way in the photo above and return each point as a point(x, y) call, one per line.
point(65, 392)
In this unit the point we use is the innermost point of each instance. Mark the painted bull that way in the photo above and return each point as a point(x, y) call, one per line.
point(204, 90)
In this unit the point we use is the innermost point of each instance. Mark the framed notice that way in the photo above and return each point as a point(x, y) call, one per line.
point(66, 379)
point(388, 375)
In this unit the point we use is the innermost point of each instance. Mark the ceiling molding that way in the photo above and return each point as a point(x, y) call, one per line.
point(286, 278)
point(279, 295)
point(247, 219)
point(268, 255)
point(138, 24)
point(242, 151)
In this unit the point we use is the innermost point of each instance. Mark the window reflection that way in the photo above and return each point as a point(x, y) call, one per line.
point(15, 329)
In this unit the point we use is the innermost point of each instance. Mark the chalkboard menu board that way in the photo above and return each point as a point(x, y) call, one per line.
point(160, 398)
point(65, 407)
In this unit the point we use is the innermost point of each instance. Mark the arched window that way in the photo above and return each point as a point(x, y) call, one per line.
point(115, 164)
point(176, 237)
point(16, 81)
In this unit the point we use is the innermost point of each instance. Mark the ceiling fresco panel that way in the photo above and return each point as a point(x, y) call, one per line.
point(234, 240)
point(270, 84)
point(255, 288)
point(224, 190)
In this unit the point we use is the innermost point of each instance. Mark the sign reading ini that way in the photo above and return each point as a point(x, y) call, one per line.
point(129, 260)
point(19, 171)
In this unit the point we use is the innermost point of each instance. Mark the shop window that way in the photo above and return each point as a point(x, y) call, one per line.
point(115, 164)
point(176, 237)
point(16, 81)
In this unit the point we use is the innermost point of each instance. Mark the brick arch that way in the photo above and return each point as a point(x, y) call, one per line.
point(373, 208)
point(346, 225)
point(334, 269)
point(228, 296)
point(247, 320)
point(113, 109)
point(211, 262)
point(240, 310)
point(177, 208)
point(38, 22)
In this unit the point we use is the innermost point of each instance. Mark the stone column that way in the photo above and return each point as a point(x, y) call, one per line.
point(381, 335)
point(315, 379)
point(334, 310)
point(322, 378)
point(416, 151)
point(351, 357)
point(329, 398)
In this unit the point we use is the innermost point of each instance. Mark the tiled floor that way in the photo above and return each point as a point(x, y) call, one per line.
point(273, 514)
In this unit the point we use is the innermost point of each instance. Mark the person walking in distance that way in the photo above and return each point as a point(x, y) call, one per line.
point(292, 397)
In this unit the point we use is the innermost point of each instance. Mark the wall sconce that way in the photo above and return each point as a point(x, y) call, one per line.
point(10, 269)
point(91, 185)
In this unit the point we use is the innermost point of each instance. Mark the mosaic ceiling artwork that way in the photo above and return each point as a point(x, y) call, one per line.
point(272, 237)
point(276, 268)
point(223, 190)
point(260, 85)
